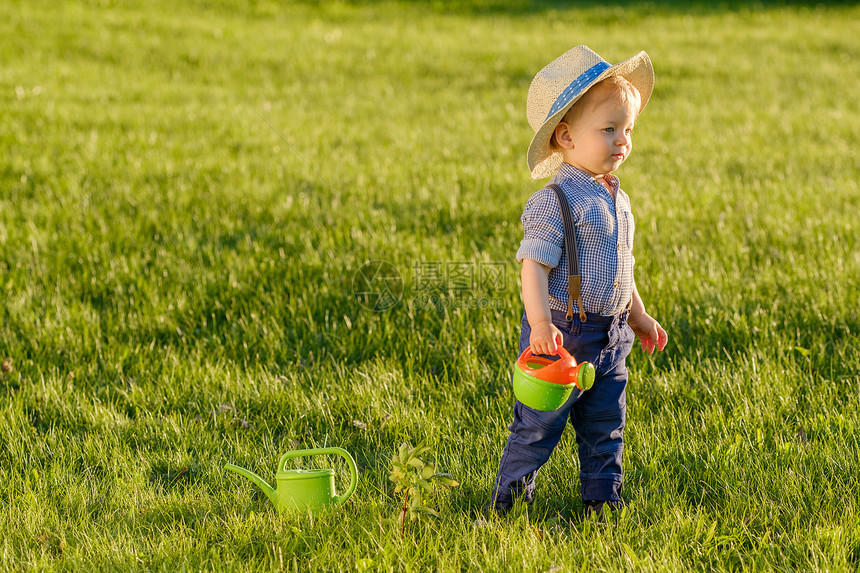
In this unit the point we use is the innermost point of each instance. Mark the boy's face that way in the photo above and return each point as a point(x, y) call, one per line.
point(601, 138)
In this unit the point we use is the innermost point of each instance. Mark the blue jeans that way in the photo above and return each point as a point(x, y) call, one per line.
point(597, 415)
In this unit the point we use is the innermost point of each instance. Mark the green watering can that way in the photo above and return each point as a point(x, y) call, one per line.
point(303, 489)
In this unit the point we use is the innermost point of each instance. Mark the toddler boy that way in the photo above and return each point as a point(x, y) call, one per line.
point(582, 110)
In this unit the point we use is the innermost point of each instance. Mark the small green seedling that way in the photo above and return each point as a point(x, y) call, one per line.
point(413, 477)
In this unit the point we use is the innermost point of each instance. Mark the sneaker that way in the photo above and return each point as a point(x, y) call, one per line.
point(491, 510)
point(595, 507)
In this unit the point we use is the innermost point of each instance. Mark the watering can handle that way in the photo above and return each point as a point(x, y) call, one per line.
point(353, 469)
point(561, 352)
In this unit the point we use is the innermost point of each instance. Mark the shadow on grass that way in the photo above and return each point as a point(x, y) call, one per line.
point(822, 344)
point(548, 509)
point(527, 7)
point(166, 478)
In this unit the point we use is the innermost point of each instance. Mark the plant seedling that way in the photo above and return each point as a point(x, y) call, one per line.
point(413, 477)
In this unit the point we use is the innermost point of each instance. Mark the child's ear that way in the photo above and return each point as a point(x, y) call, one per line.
point(563, 136)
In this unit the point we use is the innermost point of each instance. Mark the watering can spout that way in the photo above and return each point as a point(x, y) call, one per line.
point(261, 483)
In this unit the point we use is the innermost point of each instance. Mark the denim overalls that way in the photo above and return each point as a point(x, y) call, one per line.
point(596, 415)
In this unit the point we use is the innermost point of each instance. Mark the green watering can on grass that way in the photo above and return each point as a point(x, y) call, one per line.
point(303, 489)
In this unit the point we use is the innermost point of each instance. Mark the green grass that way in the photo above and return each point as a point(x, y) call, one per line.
point(188, 192)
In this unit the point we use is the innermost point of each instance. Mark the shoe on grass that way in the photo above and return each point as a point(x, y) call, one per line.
point(597, 507)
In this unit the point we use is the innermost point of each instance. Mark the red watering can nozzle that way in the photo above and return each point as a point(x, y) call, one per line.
point(545, 384)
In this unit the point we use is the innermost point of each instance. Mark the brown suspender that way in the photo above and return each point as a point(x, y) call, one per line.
point(574, 279)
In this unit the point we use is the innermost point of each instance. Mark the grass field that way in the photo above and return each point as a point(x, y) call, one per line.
point(187, 194)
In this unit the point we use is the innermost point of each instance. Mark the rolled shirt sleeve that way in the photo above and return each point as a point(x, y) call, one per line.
point(543, 230)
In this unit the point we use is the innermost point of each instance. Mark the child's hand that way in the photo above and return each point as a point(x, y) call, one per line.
point(649, 331)
point(545, 338)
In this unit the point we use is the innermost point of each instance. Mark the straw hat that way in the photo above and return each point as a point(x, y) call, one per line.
point(556, 87)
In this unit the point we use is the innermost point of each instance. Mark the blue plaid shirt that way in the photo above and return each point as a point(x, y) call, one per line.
point(604, 236)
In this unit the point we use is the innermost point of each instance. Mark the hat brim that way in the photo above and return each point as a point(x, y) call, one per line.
point(542, 159)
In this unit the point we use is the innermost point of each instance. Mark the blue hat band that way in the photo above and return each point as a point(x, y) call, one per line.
point(577, 86)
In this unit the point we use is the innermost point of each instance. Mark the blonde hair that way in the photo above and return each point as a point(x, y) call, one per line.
point(614, 86)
